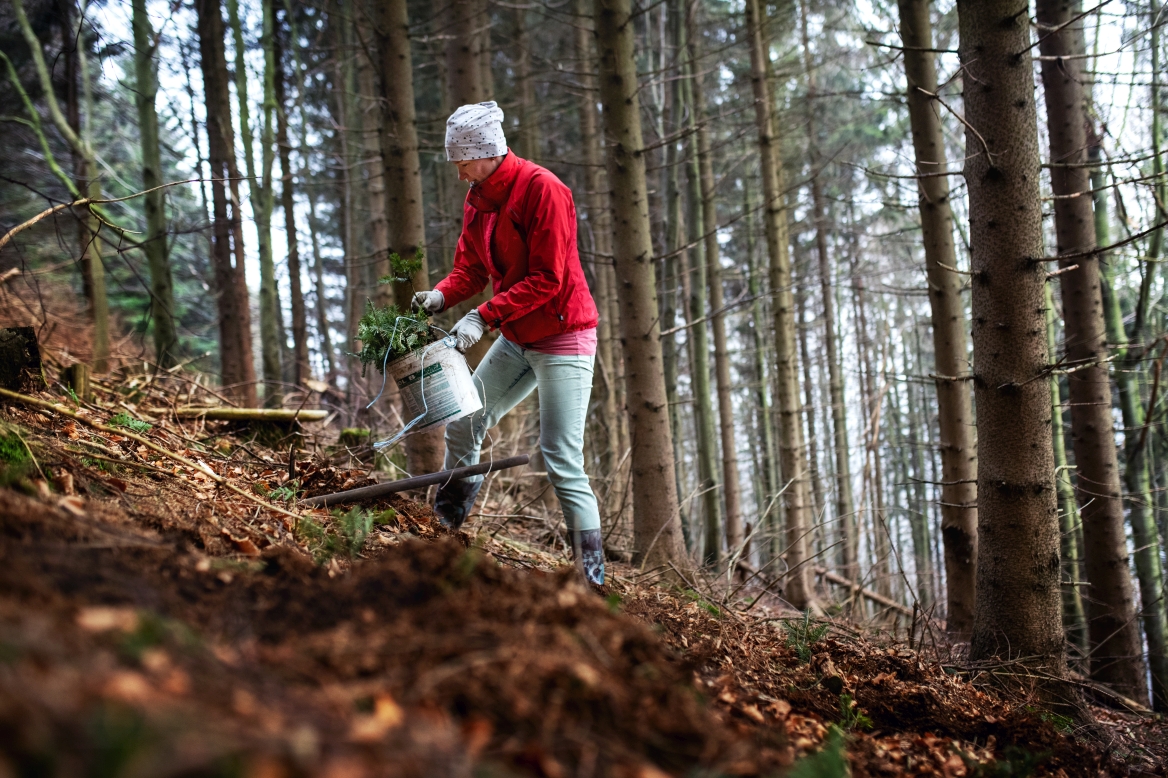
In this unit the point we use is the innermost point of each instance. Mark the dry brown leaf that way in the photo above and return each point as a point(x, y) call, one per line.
point(103, 618)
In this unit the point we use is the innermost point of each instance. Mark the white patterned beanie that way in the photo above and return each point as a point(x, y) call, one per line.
point(475, 132)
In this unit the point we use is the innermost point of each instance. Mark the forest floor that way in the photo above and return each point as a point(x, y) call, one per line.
point(153, 622)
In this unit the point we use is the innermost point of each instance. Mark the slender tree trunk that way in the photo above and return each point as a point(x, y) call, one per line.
point(468, 80)
point(816, 492)
point(769, 451)
point(731, 495)
point(1074, 620)
point(955, 413)
point(798, 589)
point(675, 239)
point(528, 141)
point(403, 203)
point(1156, 244)
point(919, 516)
point(260, 187)
point(657, 530)
point(1114, 633)
point(844, 501)
point(1018, 600)
point(699, 347)
point(600, 228)
point(300, 369)
point(161, 286)
point(370, 109)
point(238, 370)
point(1137, 472)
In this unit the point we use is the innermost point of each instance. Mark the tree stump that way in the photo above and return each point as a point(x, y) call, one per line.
point(20, 360)
point(77, 378)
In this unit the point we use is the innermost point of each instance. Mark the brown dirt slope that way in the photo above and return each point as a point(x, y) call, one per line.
point(154, 624)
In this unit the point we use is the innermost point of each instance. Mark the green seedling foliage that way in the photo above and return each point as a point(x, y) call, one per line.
point(703, 603)
point(803, 635)
point(851, 717)
point(118, 735)
point(387, 516)
point(393, 330)
point(127, 421)
point(403, 270)
point(354, 528)
point(831, 761)
point(287, 492)
point(73, 396)
point(1060, 722)
point(613, 601)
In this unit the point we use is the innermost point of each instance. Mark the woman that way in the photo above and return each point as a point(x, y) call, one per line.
point(519, 233)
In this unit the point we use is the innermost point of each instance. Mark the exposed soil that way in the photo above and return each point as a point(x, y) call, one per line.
point(154, 624)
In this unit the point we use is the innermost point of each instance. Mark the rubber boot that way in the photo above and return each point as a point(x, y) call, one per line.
point(454, 501)
point(588, 551)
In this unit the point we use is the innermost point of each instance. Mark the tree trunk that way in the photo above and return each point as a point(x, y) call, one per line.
point(1114, 633)
point(798, 589)
point(235, 352)
point(768, 454)
point(161, 286)
point(731, 495)
point(955, 413)
point(403, 202)
point(675, 239)
point(260, 187)
point(699, 344)
point(1137, 472)
point(844, 502)
point(1017, 612)
point(1074, 620)
point(468, 81)
point(528, 140)
point(300, 368)
point(656, 530)
point(600, 228)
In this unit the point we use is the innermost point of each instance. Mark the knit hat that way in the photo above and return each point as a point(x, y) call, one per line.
point(475, 132)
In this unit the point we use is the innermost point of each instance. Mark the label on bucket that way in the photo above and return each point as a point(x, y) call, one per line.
point(440, 397)
point(443, 390)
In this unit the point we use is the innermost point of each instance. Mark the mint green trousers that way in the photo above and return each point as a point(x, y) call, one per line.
point(505, 377)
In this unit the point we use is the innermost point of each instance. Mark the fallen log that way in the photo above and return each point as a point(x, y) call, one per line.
point(875, 597)
point(416, 482)
point(282, 415)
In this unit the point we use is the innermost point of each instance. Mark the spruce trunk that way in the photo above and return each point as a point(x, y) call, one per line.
point(1018, 608)
point(798, 590)
point(1112, 627)
point(1137, 474)
point(958, 443)
point(731, 494)
point(235, 349)
point(300, 368)
point(403, 197)
point(161, 285)
point(844, 501)
point(656, 529)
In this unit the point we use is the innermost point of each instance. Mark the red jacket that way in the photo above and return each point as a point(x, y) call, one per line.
point(534, 268)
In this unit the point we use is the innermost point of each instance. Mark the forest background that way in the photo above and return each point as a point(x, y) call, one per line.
point(787, 287)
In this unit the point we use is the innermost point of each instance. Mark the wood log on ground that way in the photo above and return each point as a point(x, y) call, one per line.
point(416, 482)
point(279, 415)
point(20, 359)
point(875, 597)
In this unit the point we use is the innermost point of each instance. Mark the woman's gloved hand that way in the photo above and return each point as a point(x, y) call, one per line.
point(469, 330)
point(430, 302)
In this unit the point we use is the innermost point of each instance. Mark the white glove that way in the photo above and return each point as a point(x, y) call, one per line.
point(469, 330)
point(430, 302)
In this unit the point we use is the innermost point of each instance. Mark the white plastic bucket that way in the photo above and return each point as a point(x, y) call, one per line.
point(445, 380)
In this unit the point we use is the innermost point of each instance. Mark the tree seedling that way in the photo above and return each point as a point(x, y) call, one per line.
point(851, 717)
point(127, 421)
point(802, 635)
